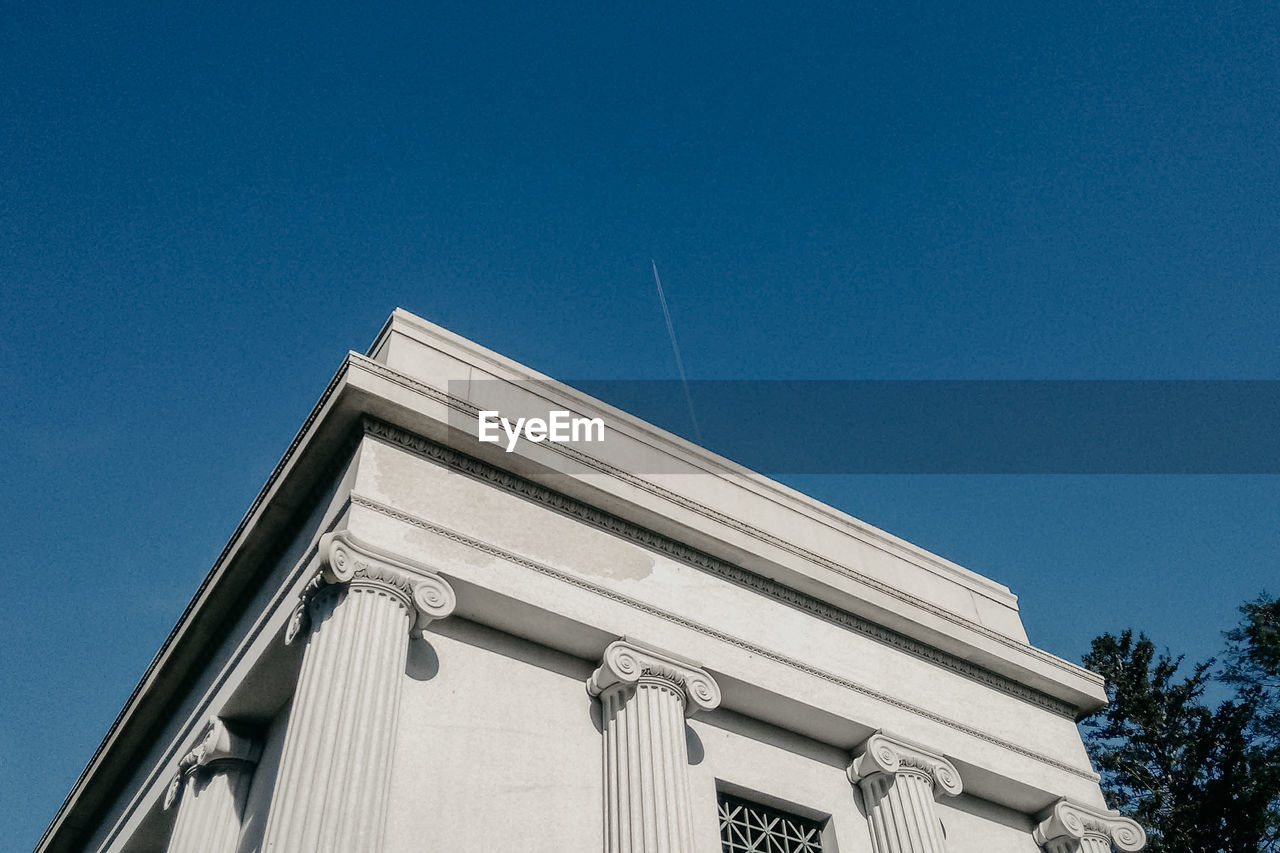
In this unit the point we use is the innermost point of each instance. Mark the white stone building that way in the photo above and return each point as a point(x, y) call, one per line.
point(416, 641)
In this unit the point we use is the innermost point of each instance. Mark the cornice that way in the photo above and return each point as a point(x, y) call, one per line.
point(345, 561)
point(886, 753)
point(626, 663)
point(565, 505)
point(738, 525)
point(1068, 820)
point(581, 583)
point(502, 368)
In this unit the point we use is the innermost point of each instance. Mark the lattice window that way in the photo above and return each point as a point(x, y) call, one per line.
point(750, 828)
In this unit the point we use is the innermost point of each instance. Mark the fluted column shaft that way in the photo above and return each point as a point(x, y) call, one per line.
point(899, 782)
point(900, 813)
point(644, 698)
point(332, 787)
point(210, 788)
point(1084, 844)
point(1067, 827)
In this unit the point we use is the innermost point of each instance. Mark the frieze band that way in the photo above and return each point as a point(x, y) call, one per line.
point(676, 550)
point(516, 559)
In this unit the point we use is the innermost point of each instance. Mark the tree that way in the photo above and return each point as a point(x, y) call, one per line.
point(1253, 659)
point(1201, 778)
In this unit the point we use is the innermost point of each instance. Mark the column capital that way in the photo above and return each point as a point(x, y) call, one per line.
point(627, 662)
point(886, 753)
point(215, 746)
point(1068, 821)
point(345, 560)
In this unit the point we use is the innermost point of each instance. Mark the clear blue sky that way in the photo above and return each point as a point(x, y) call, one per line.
point(203, 207)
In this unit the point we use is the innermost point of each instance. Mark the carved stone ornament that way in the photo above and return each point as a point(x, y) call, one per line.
point(885, 753)
point(1067, 826)
point(346, 562)
point(627, 662)
point(215, 747)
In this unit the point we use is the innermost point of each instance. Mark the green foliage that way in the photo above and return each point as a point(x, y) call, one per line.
point(1253, 661)
point(1200, 777)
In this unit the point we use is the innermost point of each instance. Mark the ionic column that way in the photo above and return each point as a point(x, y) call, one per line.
point(210, 789)
point(645, 695)
point(356, 614)
point(1069, 828)
point(899, 782)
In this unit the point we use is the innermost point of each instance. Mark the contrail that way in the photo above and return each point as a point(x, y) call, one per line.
point(671, 330)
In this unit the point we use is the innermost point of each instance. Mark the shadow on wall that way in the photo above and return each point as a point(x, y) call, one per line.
point(423, 663)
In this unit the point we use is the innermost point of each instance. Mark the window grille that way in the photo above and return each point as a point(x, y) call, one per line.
point(750, 828)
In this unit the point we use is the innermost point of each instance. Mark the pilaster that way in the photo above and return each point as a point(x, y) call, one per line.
point(210, 789)
point(645, 695)
point(356, 614)
point(899, 781)
point(1070, 828)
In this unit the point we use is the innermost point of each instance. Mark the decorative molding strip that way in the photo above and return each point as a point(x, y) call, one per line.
point(886, 753)
point(713, 565)
point(540, 568)
point(627, 662)
point(1067, 827)
point(721, 518)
